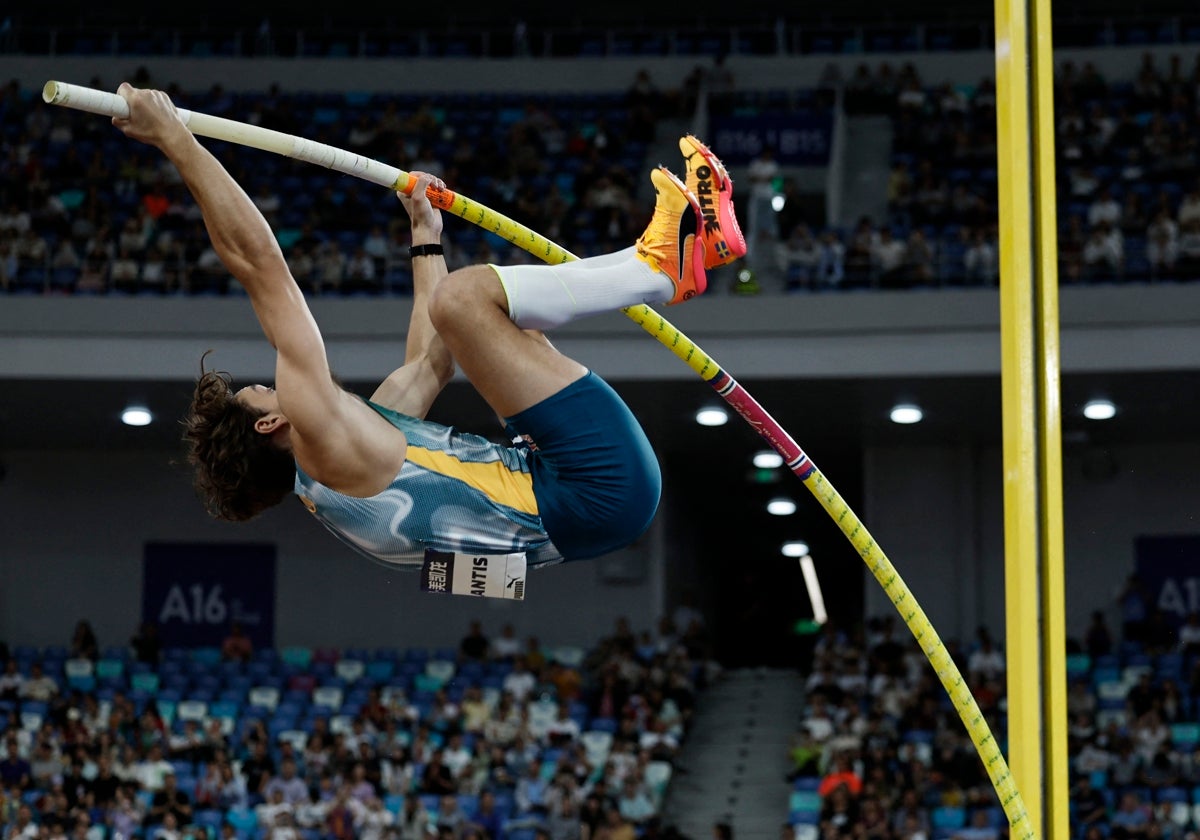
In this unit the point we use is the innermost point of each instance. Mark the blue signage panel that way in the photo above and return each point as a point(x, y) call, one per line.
point(195, 591)
point(1169, 570)
point(798, 139)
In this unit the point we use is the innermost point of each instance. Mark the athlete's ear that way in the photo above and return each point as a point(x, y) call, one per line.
point(269, 424)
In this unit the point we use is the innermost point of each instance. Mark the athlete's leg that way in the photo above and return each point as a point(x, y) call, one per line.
point(482, 312)
point(512, 369)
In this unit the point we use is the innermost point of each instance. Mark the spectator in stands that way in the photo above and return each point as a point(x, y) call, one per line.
point(614, 826)
point(1104, 252)
point(16, 773)
point(1188, 265)
point(23, 826)
point(887, 259)
point(188, 744)
point(413, 822)
point(154, 271)
point(1189, 208)
point(839, 812)
point(563, 822)
point(531, 790)
point(987, 660)
point(635, 802)
point(1098, 639)
point(842, 774)
point(125, 271)
point(474, 646)
point(257, 767)
point(152, 770)
point(11, 681)
point(236, 646)
point(931, 197)
point(169, 800)
point(1133, 218)
point(1162, 245)
point(797, 257)
point(521, 681)
point(487, 817)
point(859, 251)
point(919, 257)
point(910, 818)
point(1131, 819)
point(1104, 209)
point(449, 816)
point(65, 255)
point(360, 274)
point(330, 266)
point(39, 686)
point(831, 269)
point(762, 173)
point(373, 821)
point(437, 777)
point(1125, 765)
point(275, 804)
point(1134, 605)
point(33, 251)
point(294, 790)
point(1089, 804)
point(980, 261)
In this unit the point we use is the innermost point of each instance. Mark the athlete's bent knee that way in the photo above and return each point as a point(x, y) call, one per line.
point(460, 292)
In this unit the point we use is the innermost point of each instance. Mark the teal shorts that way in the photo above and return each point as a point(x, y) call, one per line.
point(595, 476)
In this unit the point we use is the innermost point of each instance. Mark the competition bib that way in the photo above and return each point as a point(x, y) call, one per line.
point(477, 575)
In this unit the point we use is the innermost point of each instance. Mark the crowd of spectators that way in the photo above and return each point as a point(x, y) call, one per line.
point(85, 210)
point(1128, 188)
point(498, 738)
point(882, 754)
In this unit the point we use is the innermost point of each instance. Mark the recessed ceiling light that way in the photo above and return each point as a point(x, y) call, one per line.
point(136, 415)
point(768, 459)
point(795, 548)
point(712, 417)
point(781, 506)
point(1099, 410)
point(907, 414)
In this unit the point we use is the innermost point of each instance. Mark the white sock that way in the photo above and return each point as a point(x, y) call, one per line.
point(541, 297)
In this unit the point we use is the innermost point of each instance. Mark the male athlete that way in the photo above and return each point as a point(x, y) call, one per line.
point(582, 482)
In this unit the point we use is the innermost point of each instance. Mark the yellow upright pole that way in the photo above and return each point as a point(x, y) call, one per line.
point(1054, 642)
point(1031, 414)
point(1018, 391)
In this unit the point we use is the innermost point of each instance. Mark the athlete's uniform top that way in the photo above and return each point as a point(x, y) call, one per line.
point(585, 483)
point(456, 492)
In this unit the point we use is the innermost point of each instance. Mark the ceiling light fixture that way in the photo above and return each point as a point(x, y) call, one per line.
point(136, 415)
point(768, 459)
point(906, 414)
point(1099, 410)
point(781, 506)
point(712, 417)
point(795, 548)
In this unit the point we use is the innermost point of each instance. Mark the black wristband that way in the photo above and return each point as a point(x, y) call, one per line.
point(425, 250)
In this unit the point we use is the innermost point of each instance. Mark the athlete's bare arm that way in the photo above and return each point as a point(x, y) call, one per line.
point(335, 437)
point(428, 366)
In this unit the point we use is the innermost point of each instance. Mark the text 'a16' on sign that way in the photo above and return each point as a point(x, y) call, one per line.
point(195, 592)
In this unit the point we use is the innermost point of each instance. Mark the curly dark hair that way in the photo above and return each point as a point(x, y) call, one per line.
point(239, 472)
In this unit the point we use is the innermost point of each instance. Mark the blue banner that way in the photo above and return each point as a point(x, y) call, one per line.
point(799, 139)
point(1169, 571)
point(195, 591)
